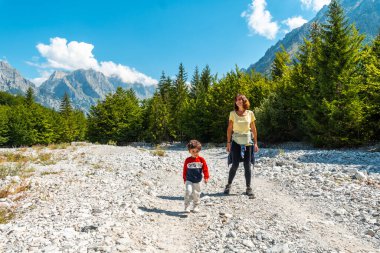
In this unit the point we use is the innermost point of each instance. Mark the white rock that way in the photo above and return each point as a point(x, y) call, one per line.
point(360, 176)
point(279, 248)
point(248, 243)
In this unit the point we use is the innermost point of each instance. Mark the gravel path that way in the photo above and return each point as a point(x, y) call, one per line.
point(94, 198)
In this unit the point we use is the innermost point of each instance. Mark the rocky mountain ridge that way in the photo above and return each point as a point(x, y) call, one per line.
point(84, 87)
point(365, 14)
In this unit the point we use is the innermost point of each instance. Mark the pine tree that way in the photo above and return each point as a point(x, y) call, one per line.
point(303, 79)
point(29, 97)
point(158, 120)
point(206, 80)
point(335, 112)
point(67, 124)
point(21, 127)
point(164, 87)
point(116, 119)
point(179, 102)
point(195, 83)
point(370, 89)
point(197, 114)
point(4, 137)
point(65, 107)
point(279, 66)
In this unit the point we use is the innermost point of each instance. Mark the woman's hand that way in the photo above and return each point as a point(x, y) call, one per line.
point(228, 148)
point(256, 148)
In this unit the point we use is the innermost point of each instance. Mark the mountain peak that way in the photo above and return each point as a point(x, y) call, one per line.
point(5, 65)
point(363, 13)
point(11, 81)
point(58, 75)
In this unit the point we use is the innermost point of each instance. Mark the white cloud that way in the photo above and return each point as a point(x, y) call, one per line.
point(78, 55)
point(294, 22)
point(259, 20)
point(316, 5)
point(44, 75)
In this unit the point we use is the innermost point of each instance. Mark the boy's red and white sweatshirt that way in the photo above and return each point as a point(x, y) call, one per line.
point(193, 169)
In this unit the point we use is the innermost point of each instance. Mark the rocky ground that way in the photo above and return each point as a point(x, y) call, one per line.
point(94, 198)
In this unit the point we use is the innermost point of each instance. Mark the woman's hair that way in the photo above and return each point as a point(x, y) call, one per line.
point(246, 103)
point(194, 144)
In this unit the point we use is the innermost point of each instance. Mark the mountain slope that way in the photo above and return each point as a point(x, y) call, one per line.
point(84, 87)
point(12, 82)
point(365, 14)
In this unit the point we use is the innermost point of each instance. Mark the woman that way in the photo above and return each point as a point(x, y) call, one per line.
point(241, 128)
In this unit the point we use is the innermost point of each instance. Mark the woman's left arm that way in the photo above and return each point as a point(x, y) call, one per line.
point(254, 133)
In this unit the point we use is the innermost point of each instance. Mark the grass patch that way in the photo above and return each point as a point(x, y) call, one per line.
point(59, 146)
point(97, 166)
point(89, 174)
point(26, 172)
point(8, 171)
point(158, 151)
point(15, 170)
point(46, 159)
point(80, 143)
point(22, 149)
point(13, 157)
point(13, 189)
point(5, 216)
point(112, 143)
point(44, 173)
point(38, 147)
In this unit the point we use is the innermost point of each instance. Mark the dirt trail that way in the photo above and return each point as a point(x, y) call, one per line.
point(124, 199)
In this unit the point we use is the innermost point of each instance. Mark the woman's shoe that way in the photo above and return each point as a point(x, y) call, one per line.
point(249, 191)
point(227, 189)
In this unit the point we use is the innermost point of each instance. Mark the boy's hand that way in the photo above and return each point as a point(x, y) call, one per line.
point(206, 180)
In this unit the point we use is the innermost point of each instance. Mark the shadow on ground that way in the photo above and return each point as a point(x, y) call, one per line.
point(166, 212)
point(181, 198)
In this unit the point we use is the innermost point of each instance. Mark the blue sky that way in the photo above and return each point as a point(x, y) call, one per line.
point(139, 39)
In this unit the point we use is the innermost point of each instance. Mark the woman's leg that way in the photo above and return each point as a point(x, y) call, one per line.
point(235, 149)
point(247, 165)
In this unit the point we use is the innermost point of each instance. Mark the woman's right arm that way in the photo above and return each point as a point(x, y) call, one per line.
point(229, 135)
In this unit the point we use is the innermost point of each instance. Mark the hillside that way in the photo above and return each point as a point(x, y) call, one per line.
point(365, 14)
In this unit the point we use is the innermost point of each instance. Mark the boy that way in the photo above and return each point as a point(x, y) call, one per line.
point(193, 168)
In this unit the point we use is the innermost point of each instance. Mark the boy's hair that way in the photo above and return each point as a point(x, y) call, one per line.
point(194, 144)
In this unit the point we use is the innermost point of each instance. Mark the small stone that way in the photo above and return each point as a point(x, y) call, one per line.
point(340, 211)
point(228, 215)
point(122, 248)
point(4, 205)
point(90, 228)
point(248, 243)
point(232, 234)
point(123, 241)
point(370, 233)
point(360, 176)
point(279, 248)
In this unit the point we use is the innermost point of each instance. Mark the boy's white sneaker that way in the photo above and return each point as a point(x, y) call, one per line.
point(187, 209)
point(196, 209)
